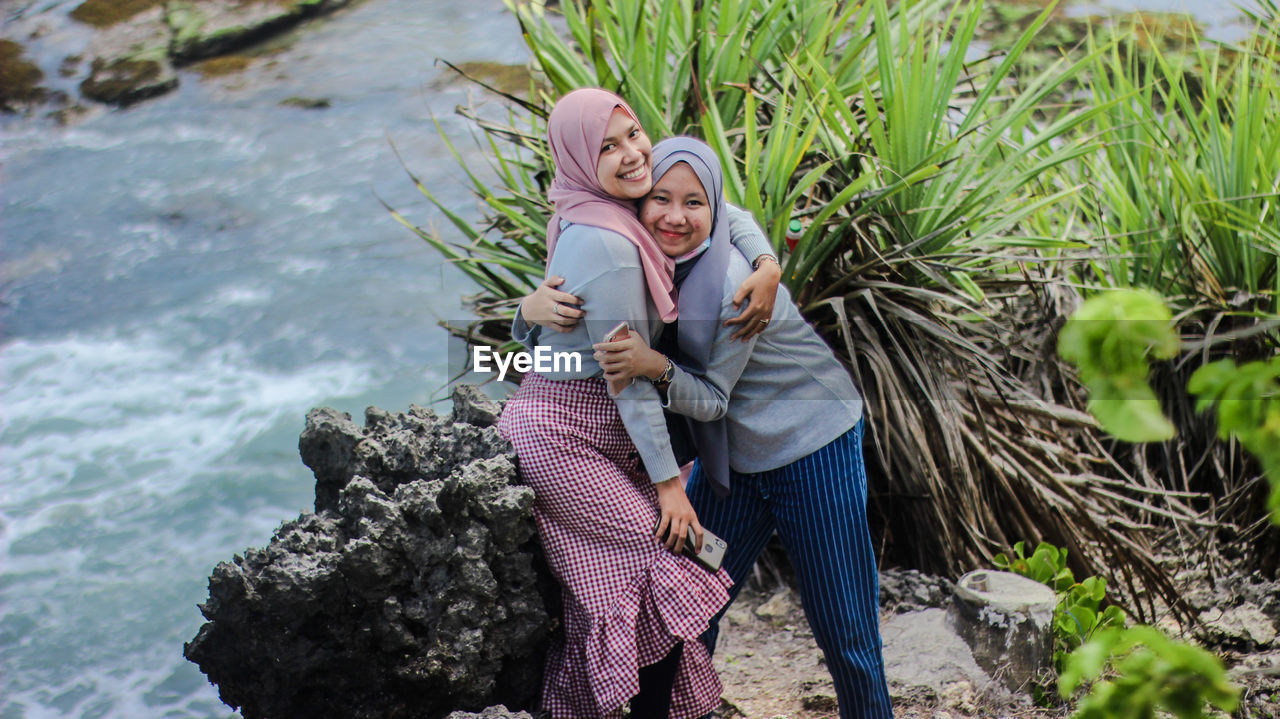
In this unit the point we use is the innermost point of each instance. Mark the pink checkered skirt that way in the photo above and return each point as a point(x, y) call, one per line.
point(627, 600)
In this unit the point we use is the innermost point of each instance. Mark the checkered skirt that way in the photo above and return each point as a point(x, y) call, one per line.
point(627, 600)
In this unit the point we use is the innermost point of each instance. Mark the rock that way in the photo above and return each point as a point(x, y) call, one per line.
point(777, 608)
point(130, 60)
point(471, 406)
point(498, 712)
point(126, 81)
point(19, 80)
point(1245, 628)
point(1007, 621)
point(307, 103)
point(411, 592)
point(204, 28)
point(910, 590)
point(390, 449)
point(106, 13)
point(139, 42)
point(922, 650)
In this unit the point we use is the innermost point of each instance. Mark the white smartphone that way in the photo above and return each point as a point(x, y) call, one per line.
point(713, 549)
point(619, 332)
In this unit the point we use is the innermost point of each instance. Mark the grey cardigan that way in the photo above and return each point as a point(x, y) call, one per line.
point(783, 393)
point(603, 269)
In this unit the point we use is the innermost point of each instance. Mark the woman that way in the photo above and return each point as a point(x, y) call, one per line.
point(778, 428)
point(602, 467)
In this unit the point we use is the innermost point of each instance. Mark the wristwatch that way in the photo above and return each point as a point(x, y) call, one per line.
point(666, 375)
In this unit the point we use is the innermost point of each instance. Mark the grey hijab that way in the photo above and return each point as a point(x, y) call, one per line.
point(701, 294)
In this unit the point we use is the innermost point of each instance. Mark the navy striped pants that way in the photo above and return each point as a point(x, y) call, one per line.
point(818, 506)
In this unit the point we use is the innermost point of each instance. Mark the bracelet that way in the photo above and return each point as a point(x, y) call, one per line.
point(667, 374)
point(756, 265)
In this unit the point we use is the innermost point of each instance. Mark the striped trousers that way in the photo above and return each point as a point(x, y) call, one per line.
point(817, 505)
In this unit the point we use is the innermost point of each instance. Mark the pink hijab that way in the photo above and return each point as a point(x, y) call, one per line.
point(576, 129)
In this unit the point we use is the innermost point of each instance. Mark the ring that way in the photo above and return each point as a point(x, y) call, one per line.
point(764, 322)
point(555, 309)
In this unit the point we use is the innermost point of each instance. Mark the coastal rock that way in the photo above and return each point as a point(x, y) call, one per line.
point(412, 592)
point(204, 28)
point(498, 712)
point(130, 60)
point(19, 79)
point(396, 448)
point(138, 43)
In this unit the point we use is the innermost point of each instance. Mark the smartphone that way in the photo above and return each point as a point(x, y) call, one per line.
point(620, 332)
point(713, 548)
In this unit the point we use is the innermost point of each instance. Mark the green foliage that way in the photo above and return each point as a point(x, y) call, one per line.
point(1079, 613)
point(1047, 565)
point(1148, 673)
point(1183, 192)
point(1109, 340)
point(1247, 398)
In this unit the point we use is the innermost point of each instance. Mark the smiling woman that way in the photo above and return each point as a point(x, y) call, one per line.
point(623, 166)
point(677, 212)
point(601, 466)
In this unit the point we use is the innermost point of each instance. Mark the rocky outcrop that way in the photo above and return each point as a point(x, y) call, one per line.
point(130, 59)
point(411, 592)
point(204, 28)
point(498, 712)
point(20, 80)
point(139, 42)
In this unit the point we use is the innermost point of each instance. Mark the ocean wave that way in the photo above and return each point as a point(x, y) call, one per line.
point(132, 465)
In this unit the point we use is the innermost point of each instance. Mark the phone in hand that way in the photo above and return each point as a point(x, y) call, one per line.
point(620, 332)
point(713, 548)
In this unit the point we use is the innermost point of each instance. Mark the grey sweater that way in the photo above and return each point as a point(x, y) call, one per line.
point(783, 393)
point(602, 268)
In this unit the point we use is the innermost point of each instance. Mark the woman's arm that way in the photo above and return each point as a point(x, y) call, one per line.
point(703, 397)
point(762, 285)
point(560, 311)
point(547, 307)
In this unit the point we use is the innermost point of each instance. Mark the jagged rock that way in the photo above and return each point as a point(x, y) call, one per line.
point(204, 28)
point(412, 592)
point(471, 406)
point(910, 590)
point(498, 712)
point(391, 449)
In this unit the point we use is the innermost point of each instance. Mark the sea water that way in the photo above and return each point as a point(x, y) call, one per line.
point(181, 281)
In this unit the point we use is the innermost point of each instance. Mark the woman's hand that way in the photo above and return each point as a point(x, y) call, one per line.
point(762, 287)
point(677, 516)
point(551, 308)
point(627, 358)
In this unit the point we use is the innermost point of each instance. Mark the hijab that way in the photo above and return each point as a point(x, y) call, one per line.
point(702, 291)
point(576, 130)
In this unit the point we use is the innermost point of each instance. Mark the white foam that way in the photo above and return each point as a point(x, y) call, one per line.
point(119, 451)
point(116, 403)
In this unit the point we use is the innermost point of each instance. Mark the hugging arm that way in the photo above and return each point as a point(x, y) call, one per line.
point(762, 285)
point(561, 311)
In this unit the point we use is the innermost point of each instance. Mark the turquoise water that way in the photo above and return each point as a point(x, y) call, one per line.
point(179, 283)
